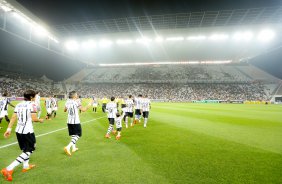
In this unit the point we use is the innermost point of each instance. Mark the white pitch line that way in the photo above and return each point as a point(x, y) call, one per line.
point(7, 145)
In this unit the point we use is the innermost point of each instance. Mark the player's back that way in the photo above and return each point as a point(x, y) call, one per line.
point(23, 111)
point(111, 108)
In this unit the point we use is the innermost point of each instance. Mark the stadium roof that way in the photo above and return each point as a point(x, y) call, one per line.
point(237, 17)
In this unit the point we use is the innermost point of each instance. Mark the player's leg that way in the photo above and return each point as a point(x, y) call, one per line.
point(75, 132)
point(110, 128)
point(146, 116)
point(118, 133)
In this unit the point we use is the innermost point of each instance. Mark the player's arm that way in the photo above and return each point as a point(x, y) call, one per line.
point(11, 105)
point(9, 129)
point(35, 118)
point(83, 109)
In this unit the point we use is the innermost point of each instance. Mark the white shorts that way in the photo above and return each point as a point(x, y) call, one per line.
point(55, 108)
point(95, 105)
point(3, 114)
point(49, 110)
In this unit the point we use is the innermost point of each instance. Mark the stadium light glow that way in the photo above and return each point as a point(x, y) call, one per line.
point(90, 44)
point(219, 37)
point(243, 36)
point(105, 43)
point(6, 8)
point(123, 42)
point(175, 38)
point(159, 39)
point(144, 40)
point(20, 17)
point(72, 45)
point(266, 35)
point(201, 37)
point(167, 63)
point(40, 31)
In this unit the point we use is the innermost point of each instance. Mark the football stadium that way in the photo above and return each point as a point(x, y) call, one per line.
point(140, 92)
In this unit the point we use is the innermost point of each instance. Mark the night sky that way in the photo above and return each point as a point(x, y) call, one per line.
point(55, 12)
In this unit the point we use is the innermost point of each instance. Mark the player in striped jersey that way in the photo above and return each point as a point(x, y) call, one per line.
point(111, 109)
point(118, 121)
point(72, 107)
point(25, 113)
point(48, 105)
point(146, 106)
point(54, 101)
point(138, 108)
point(37, 102)
point(129, 111)
point(4, 102)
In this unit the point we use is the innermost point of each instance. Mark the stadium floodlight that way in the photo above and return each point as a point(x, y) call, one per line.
point(266, 35)
point(159, 39)
point(105, 43)
point(72, 45)
point(89, 44)
point(123, 42)
point(144, 40)
point(200, 37)
point(243, 36)
point(6, 8)
point(179, 38)
point(40, 31)
point(219, 37)
point(20, 17)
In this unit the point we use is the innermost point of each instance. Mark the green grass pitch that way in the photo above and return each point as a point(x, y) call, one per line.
point(183, 143)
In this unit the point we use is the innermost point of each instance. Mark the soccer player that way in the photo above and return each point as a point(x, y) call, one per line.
point(48, 105)
point(4, 102)
point(37, 102)
point(129, 111)
point(146, 106)
point(74, 127)
point(54, 105)
point(118, 121)
point(25, 113)
point(95, 104)
point(138, 108)
point(111, 109)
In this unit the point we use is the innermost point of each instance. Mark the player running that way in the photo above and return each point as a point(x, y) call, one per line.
point(111, 109)
point(4, 102)
point(38, 105)
point(54, 106)
point(118, 121)
point(129, 110)
point(48, 105)
point(25, 113)
point(146, 106)
point(72, 107)
point(138, 108)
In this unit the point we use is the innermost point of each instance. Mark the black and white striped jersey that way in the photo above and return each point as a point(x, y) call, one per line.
point(129, 105)
point(111, 109)
point(72, 107)
point(138, 103)
point(4, 103)
point(48, 103)
point(146, 105)
point(23, 111)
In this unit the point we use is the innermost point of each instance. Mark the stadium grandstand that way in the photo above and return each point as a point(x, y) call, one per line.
point(162, 92)
point(183, 53)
